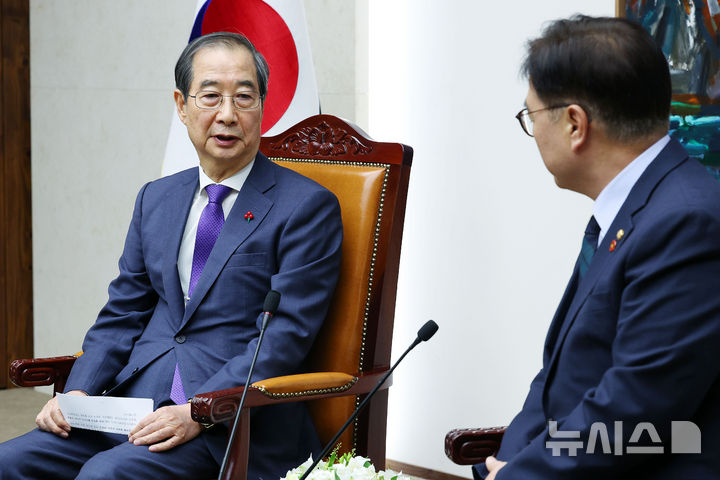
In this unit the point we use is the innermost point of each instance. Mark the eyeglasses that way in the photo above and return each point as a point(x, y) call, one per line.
point(209, 100)
point(526, 122)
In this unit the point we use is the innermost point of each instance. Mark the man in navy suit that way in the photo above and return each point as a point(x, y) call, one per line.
point(171, 328)
point(630, 384)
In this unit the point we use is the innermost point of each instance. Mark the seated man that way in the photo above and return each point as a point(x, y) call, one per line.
point(203, 249)
point(632, 351)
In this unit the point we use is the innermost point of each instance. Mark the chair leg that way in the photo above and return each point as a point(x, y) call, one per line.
point(237, 467)
point(377, 428)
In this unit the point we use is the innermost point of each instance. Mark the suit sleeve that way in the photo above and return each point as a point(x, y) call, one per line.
point(527, 424)
point(308, 256)
point(663, 354)
point(524, 427)
point(131, 302)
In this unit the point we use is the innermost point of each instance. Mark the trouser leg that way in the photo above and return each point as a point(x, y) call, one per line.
point(43, 455)
point(191, 460)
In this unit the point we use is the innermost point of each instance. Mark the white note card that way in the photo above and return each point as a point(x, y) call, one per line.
point(104, 414)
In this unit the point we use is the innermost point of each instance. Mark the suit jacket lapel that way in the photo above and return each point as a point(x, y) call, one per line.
point(669, 158)
point(560, 315)
point(176, 207)
point(236, 229)
point(602, 258)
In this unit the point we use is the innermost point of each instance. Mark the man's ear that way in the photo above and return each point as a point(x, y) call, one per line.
point(180, 104)
point(578, 124)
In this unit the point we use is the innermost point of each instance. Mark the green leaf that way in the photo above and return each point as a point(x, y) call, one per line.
point(336, 476)
point(367, 464)
point(334, 454)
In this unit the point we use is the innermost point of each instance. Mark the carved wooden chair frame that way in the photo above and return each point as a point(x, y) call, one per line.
point(321, 140)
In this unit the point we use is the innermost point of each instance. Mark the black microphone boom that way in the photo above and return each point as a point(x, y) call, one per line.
point(272, 300)
point(424, 334)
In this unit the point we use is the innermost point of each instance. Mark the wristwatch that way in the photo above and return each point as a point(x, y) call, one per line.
point(205, 426)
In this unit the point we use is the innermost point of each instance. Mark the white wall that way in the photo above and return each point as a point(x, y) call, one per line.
point(489, 240)
point(101, 75)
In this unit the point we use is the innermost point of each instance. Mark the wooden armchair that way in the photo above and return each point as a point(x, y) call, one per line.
point(352, 350)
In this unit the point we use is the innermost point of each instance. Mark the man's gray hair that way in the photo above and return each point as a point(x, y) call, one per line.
point(183, 67)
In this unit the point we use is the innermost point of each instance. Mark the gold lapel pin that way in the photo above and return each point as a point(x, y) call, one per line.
point(618, 236)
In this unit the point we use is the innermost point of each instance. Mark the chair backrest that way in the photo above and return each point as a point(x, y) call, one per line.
point(370, 180)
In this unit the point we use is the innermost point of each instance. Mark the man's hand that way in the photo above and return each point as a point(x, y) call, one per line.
point(493, 465)
point(50, 418)
point(165, 428)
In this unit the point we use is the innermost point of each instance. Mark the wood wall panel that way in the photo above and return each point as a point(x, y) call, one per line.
point(16, 320)
point(3, 215)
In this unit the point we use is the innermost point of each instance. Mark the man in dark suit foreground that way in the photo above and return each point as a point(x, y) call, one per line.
point(630, 376)
point(183, 316)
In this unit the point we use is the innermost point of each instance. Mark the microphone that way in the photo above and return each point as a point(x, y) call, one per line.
point(272, 300)
point(424, 334)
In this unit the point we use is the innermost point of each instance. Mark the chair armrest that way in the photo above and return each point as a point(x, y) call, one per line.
point(36, 372)
point(469, 446)
point(221, 405)
point(305, 384)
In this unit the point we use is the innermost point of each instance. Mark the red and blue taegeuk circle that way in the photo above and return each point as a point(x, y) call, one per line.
point(267, 30)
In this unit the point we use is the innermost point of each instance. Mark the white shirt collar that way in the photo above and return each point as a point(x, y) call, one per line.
point(235, 182)
point(611, 198)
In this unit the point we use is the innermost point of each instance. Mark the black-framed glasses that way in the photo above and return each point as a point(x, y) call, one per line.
point(526, 122)
point(210, 100)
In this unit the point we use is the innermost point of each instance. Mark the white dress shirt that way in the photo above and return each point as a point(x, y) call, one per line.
point(608, 203)
point(200, 200)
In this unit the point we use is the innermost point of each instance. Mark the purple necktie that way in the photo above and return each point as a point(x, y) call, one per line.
point(209, 226)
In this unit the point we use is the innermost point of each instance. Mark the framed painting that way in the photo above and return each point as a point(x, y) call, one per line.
point(689, 33)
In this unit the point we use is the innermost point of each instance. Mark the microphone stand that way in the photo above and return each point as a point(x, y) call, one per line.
point(270, 306)
point(424, 334)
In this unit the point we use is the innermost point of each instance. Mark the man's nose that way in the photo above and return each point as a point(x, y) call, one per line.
point(226, 113)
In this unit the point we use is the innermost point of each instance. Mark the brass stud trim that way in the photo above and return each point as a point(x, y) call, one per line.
point(317, 391)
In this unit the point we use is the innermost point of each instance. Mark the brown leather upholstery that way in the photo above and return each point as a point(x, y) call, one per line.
point(360, 190)
point(305, 384)
point(352, 351)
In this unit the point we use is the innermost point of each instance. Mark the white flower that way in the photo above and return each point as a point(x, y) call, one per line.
point(389, 474)
point(357, 468)
point(358, 462)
